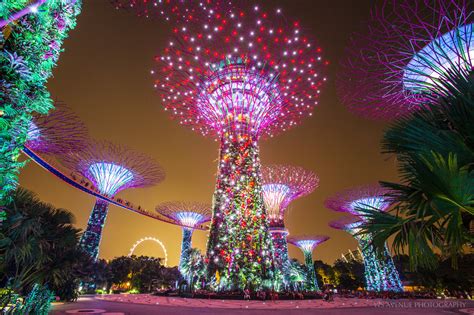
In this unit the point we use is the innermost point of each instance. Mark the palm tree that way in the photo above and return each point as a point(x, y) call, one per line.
point(38, 244)
point(434, 203)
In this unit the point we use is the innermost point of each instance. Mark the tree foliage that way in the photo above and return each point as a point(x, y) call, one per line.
point(434, 202)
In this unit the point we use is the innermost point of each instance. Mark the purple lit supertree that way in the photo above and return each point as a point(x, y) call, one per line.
point(188, 215)
point(240, 74)
point(402, 59)
point(59, 132)
point(281, 185)
point(307, 244)
point(380, 272)
point(110, 168)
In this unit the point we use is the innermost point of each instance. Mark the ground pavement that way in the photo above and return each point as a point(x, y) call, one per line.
point(141, 304)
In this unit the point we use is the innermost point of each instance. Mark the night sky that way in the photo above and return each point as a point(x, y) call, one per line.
point(104, 76)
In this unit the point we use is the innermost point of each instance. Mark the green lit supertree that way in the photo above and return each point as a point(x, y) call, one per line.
point(30, 44)
point(188, 215)
point(380, 271)
point(307, 244)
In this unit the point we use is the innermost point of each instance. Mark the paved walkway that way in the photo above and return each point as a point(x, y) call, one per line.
point(146, 304)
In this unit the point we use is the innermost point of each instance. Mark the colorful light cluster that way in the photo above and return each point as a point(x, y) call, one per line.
point(58, 132)
point(235, 75)
point(380, 274)
point(30, 46)
point(188, 215)
point(172, 11)
point(111, 168)
point(405, 55)
point(307, 244)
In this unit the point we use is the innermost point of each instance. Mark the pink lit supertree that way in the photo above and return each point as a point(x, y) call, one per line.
point(380, 273)
point(307, 244)
point(281, 185)
point(405, 55)
point(110, 168)
point(239, 75)
point(59, 132)
point(188, 215)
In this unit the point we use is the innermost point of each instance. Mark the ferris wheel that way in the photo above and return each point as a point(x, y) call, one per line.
point(153, 239)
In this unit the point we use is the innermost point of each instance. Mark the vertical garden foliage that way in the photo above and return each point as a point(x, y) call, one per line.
point(29, 50)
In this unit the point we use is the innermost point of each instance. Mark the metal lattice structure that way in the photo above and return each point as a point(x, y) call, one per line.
point(356, 200)
point(111, 168)
point(403, 57)
point(236, 75)
point(58, 132)
point(307, 244)
point(281, 185)
point(186, 214)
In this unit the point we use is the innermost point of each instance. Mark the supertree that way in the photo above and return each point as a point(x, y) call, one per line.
point(188, 215)
point(406, 55)
point(380, 272)
point(240, 74)
point(281, 185)
point(110, 168)
point(30, 46)
point(59, 132)
point(307, 244)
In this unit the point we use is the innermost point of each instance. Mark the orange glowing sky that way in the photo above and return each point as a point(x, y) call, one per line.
point(104, 76)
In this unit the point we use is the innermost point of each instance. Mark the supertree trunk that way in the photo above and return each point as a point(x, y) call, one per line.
point(185, 247)
point(380, 272)
point(371, 265)
point(280, 253)
point(239, 250)
point(389, 274)
point(90, 240)
point(312, 283)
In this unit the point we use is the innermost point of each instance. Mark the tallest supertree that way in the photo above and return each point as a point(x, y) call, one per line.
point(238, 75)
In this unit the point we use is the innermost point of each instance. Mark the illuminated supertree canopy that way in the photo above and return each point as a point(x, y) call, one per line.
point(188, 215)
point(406, 53)
point(380, 273)
point(307, 244)
point(356, 200)
point(235, 76)
point(281, 185)
point(110, 168)
point(59, 132)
